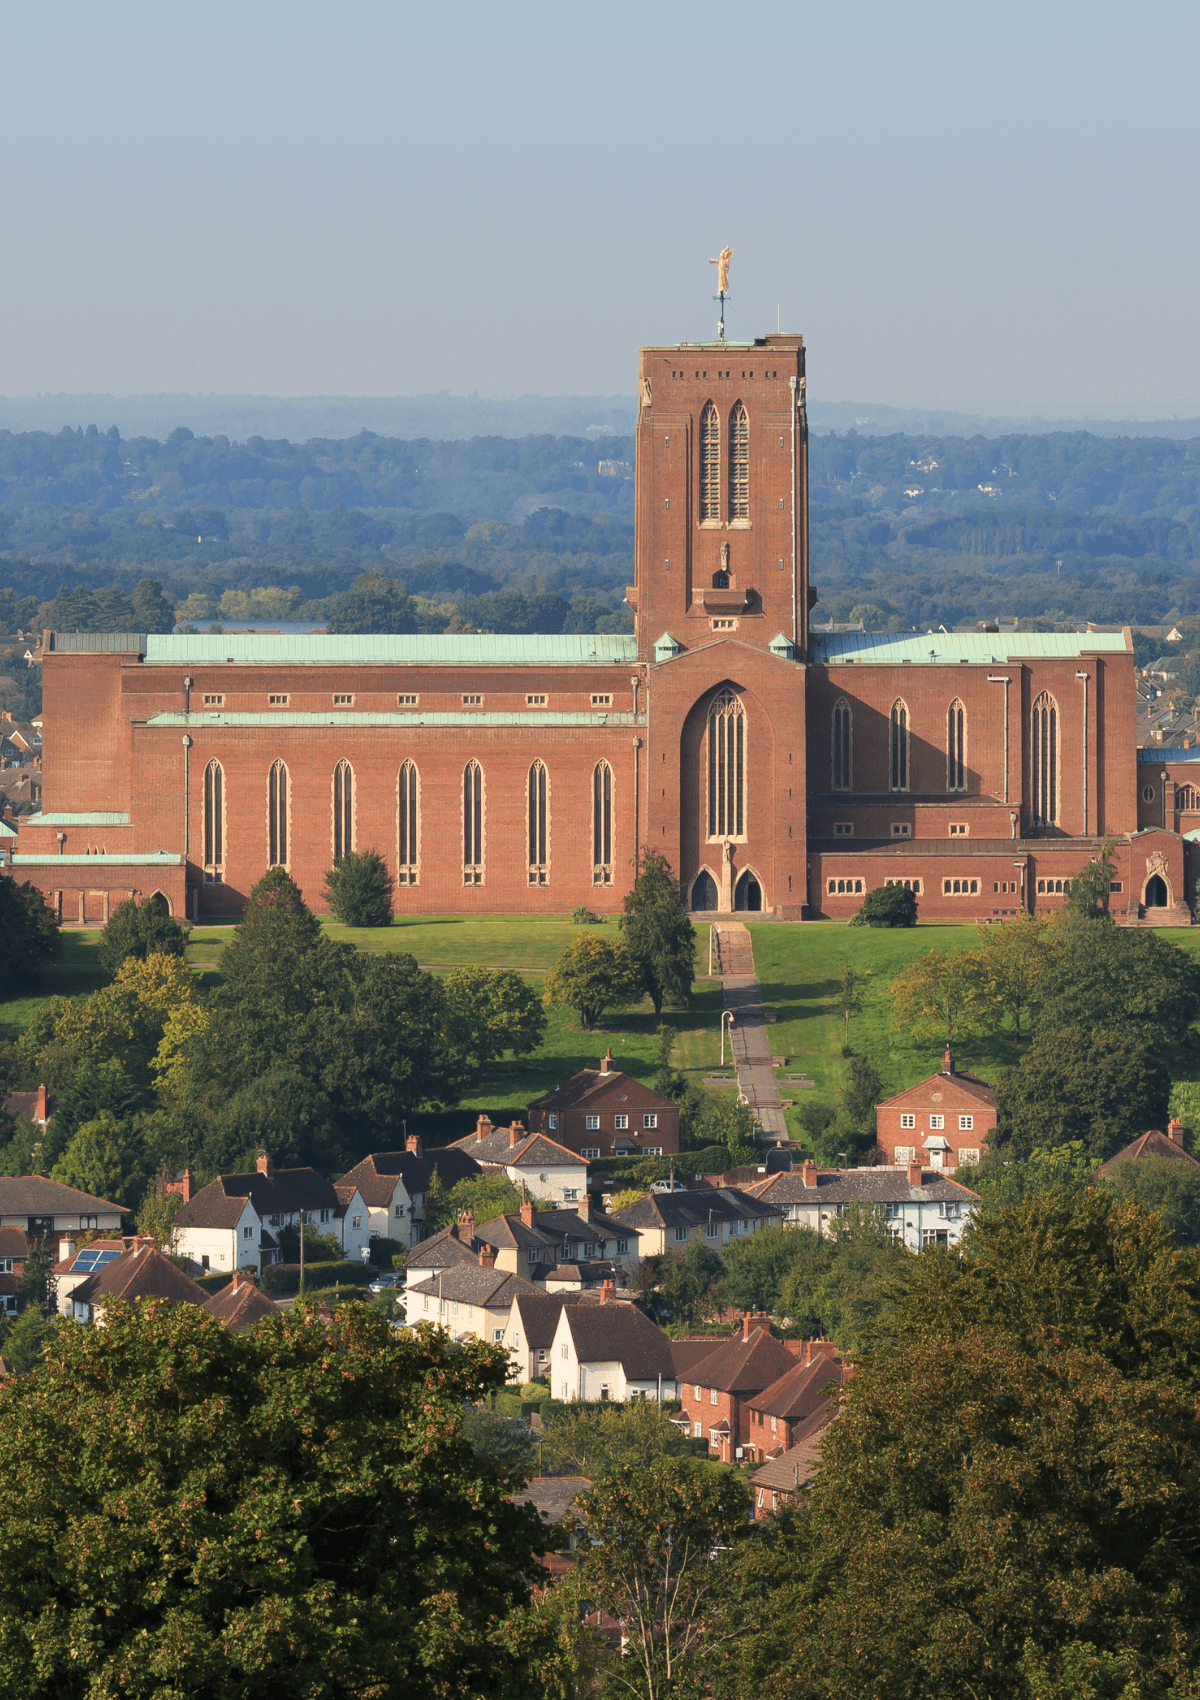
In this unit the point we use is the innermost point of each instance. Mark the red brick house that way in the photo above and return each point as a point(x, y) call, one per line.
point(1151, 1144)
point(774, 1416)
point(601, 1112)
point(941, 1122)
point(783, 1478)
point(715, 1396)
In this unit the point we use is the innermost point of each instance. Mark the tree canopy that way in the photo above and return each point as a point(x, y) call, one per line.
point(658, 934)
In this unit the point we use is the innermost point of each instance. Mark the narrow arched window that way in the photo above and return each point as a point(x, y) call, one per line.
point(710, 463)
point(1044, 765)
point(602, 807)
point(343, 809)
point(277, 816)
point(726, 767)
point(539, 824)
point(843, 747)
point(214, 823)
point(739, 463)
point(407, 822)
point(956, 747)
point(472, 824)
point(899, 771)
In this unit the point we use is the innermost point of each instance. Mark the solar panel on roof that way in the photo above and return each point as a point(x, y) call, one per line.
point(89, 1260)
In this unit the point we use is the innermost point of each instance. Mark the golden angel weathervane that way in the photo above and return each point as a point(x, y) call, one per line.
point(722, 264)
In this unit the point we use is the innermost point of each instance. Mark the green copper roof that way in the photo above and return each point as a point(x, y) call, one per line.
point(472, 649)
point(942, 648)
point(136, 859)
point(350, 717)
point(93, 817)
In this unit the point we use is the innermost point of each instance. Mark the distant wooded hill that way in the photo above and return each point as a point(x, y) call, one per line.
point(907, 530)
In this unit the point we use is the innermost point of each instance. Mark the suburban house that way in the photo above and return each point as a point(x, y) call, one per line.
point(941, 1122)
point(394, 1185)
point(666, 1221)
point(782, 1479)
point(140, 1273)
point(553, 1498)
point(529, 1333)
point(1151, 1144)
point(539, 1244)
point(469, 1300)
point(241, 1303)
point(546, 1170)
point(718, 1388)
point(456, 1244)
point(922, 1207)
point(609, 1350)
point(603, 1113)
point(233, 1222)
point(14, 1244)
point(76, 1264)
point(43, 1208)
point(36, 1107)
point(774, 1416)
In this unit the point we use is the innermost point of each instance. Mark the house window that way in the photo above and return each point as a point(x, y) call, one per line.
point(901, 829)
point(601, 699)
point(247, 1233)
point(620, 1121)
point(966, 1124)
point(472, 702)
point(968, 1154)
point(214, 823)
point(959, 829)
point(936, 1121)
point(277, 815)
point(407, 701)
point(899, 763)
point(960, 888)
point(497, 1336)
point(681, 1234)
point(956, 747)
point(712, 1395)
point(539, 830)
point(843, 746)
point(711, 1230)
point(535, 702)
point(843, 829)
point(472, 824)
point(533, 1257)
point(408, 822)
point(697, 1390)
point(343, 699)
point(650, 1120)
point(278, 701)
point(591, 1122)
point(935, 1236)
point(652, 1151)
point(726, 767)
point(343, 810)
point(907, 1120)
point(590, 1151)
point(552, 1121)
point(602, 804)
point(739, 463)
point(710, 463)
point(622, 1247)
point(564, 1350)
point(214, 701)
point(1044, 765)
point(697, 1428)
point(906, 1153)
point(356, 1221)
point(399, 1210)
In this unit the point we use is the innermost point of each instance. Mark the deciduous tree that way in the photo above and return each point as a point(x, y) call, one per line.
point(495, 1010)
point(937, 997)
point(1102, 1086)
point(590, 976)
point(29, 932)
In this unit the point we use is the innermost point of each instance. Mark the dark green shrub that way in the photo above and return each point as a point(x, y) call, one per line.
point(887, 906)
point(141, 930)
point(359, 889)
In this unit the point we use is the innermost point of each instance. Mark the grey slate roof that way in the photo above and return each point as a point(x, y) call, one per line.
point(531, 1150)
point(467, 1283)
point(221, 1202)
point(863, 1186)
point(442, 1250)
point(34, 1195)
point(538, 1314)
point(552, 1496)
point(376, 1176)
point(693, 1209)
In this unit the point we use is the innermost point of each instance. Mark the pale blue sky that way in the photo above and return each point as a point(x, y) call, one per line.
point(990, 207)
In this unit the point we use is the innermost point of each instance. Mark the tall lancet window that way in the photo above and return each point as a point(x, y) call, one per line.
point(539, 824)
point(956, 747)
point(277, 816)
point(843, 746)
point(214, 823)
point(1044, 766)
point(602, 824)
point(343, 809)
point(726, 767)
point(739, 463)
point(407, 823)
point(899, 772)
point(472, 824)
point(710, 463)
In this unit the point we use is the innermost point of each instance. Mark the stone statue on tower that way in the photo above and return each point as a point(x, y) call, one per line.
point(722, 265)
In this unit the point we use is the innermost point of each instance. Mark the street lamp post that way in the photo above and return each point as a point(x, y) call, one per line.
point(726, 1016)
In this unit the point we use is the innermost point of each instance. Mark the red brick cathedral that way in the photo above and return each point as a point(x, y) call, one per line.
point(777, 769)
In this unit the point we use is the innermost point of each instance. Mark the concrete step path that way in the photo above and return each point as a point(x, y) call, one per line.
point(751, 1046)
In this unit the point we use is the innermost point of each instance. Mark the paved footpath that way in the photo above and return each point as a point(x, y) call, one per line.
point(751, 1045)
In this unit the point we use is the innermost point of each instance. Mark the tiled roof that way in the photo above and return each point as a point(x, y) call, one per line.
point(34, 1195)
point(13, 1243)
point(693, 1349)
point(142, 1273)
point(863, 1186)
point(800, 1391)
point(467, 1283)
point(795, 1468)
point(743, 1366)
point(538, 1315)
point(591, 1087)
point(221, 1202)
point(552, 1496)
point(1151, 1144)
point(532, 1150)
point(376, 1176)
point(619, 1333)
point(442, 1250)
point(241, 1306)
point(692, 1209)
point(953, 1087)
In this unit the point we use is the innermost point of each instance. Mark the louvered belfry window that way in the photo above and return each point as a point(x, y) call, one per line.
point(726, 767)
point(739, 463)
point(710, 463)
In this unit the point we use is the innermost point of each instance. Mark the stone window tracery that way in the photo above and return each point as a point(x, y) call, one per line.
point(343, 809)
point(739, 463)
point(408, 823)
point(472, 824)
point(539, 824)
point(277, 815)
point(214, 823)
point(956, 747)
point(898, 778)
point(1044, 763)
point(726, 767)
point(602, 824)
point(710, 463)
point(843, 745)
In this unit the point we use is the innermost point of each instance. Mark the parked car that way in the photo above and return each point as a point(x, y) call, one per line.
point(668, 1186)
point(385, 1283)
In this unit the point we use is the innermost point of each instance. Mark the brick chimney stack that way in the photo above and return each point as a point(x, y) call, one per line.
point(41, 1107)
point(606, 1062)
point(753, 1322)
point(914, 1174)
point(1175, 1131)
point(466, 1225)
point(414, 1145)
point(527, 1213)
point(265, 1166)
point(808, 1172)
point(184, 1185)
point(584, 1208)
point(483, 1127)
point(947, 1062)
point(514, 1134)
point(243, 1278)
point(608, 1292)
point(487, 1257)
